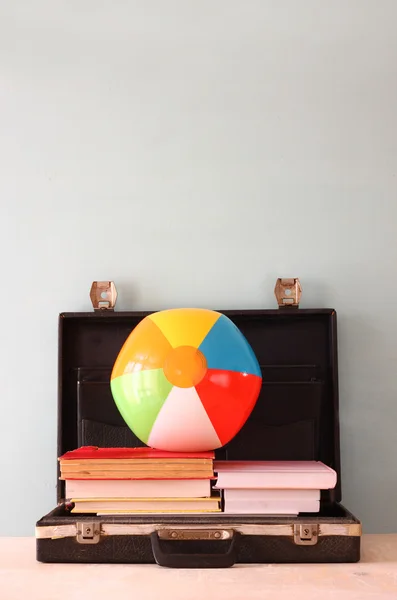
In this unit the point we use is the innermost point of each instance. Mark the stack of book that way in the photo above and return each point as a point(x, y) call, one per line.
point(273, 488)
point(108, 481)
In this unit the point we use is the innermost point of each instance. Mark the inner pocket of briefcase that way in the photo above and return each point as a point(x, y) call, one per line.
point(99, 422)
point(291, 373)
point(285, 402)
point(284, 424)
point(95, 433)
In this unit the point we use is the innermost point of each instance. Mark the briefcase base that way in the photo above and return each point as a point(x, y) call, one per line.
point(199, 541)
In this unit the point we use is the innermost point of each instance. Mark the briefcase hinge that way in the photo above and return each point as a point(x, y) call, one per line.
point(103, 295)
point(88, 532)
point(306, 535)
point(288, 292)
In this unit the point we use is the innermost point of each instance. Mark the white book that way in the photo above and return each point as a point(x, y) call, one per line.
point(274, 475)
point(276, 507)
point(244, 495)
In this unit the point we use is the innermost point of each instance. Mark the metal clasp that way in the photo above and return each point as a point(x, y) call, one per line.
point(288, 292)
point(195, 534)
point(103, 295)
point(306, 535)
point(88, 532)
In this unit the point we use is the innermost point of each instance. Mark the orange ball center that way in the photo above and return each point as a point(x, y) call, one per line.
point(185, 366)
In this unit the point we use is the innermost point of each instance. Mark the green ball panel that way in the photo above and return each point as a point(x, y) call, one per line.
point(139, 398)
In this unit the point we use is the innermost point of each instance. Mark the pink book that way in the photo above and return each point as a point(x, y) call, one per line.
point(183, 488)
point(274, 475)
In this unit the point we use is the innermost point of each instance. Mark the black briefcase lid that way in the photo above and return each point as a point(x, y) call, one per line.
point(295, 418)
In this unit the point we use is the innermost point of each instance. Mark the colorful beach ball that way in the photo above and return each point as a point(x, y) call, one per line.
point(186, 380)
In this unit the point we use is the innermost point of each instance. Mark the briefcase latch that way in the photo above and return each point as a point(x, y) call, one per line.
point(88, 532)
point(306, 535)
point(288, 292)
point(103, 295)
point(195, 534)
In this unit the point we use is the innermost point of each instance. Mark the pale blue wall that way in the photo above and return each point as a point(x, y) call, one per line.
point(193, 152)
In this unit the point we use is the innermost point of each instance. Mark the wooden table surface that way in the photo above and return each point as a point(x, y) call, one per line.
point(375, 577)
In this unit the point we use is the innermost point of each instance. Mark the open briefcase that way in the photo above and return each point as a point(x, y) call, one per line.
point(296, 418)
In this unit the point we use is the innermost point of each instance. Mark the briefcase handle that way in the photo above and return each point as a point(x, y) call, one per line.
point(189, 560)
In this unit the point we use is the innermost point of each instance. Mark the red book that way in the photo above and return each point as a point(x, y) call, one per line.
point(93, 452)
